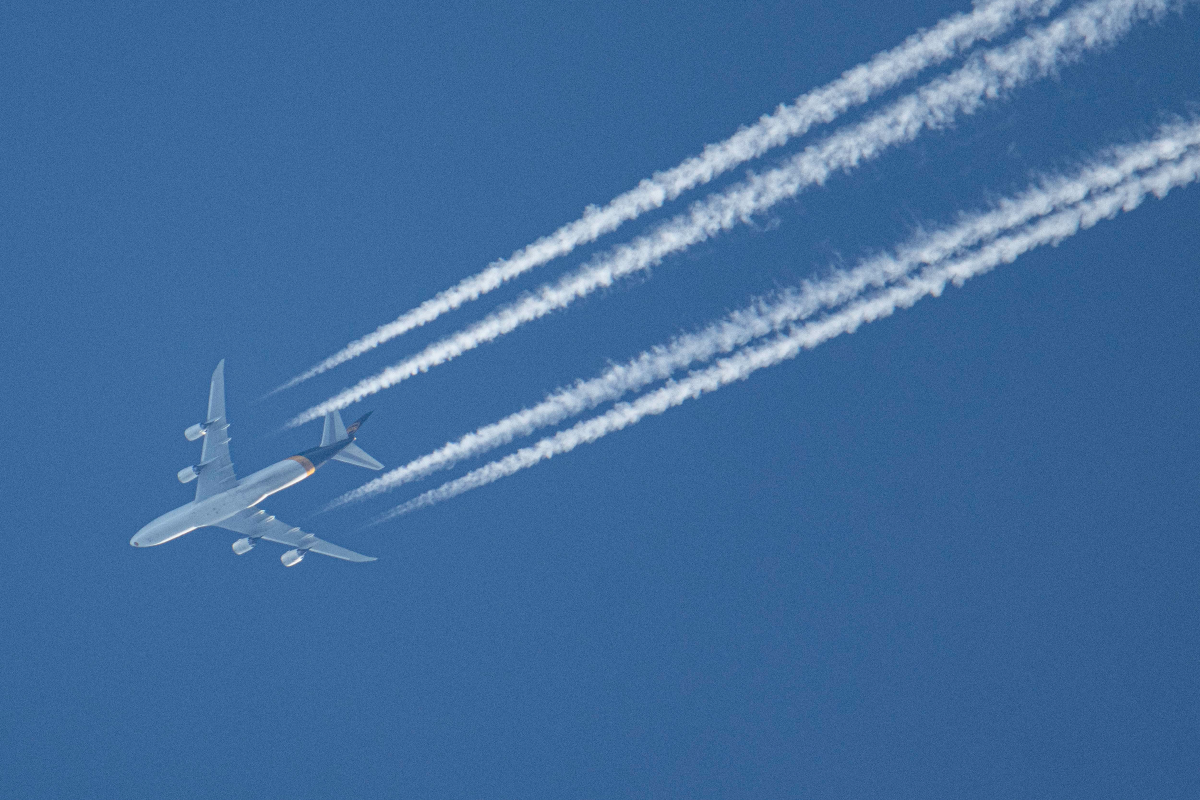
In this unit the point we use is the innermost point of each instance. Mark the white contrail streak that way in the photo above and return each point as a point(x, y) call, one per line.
point(953, 35)
point(936, 105)
point(930, 281)
point(770, 315)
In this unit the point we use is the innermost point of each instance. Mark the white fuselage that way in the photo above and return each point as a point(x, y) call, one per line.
point(249, 492)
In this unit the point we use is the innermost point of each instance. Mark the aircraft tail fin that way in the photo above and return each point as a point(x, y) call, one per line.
point(336, 432)
point(352, 428)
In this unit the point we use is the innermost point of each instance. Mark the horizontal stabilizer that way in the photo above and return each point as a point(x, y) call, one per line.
point(353, 454)
point(334, 431)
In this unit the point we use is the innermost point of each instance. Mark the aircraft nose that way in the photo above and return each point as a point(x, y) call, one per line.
point(139, 538)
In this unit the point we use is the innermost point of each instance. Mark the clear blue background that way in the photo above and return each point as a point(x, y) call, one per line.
point(954, 554)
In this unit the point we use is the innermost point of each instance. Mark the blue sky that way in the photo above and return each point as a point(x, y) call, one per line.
point(953, 554)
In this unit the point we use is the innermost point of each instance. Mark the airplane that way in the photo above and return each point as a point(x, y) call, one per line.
point(225, 502)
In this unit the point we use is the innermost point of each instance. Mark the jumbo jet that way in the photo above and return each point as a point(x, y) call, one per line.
point(225, 502)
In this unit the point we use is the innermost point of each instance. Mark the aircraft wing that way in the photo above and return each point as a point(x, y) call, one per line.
point(258, 524)
point(216, 467)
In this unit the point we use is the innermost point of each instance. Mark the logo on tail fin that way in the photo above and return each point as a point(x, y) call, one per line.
point(353, 426)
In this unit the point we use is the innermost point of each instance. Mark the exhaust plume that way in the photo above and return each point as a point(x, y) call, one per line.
point(954, 35)
point(987, 75)
point(931, 281)
point(771, 315)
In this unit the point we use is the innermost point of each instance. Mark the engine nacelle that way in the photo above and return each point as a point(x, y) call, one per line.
point(292, 557)
point(243, 546)
point(188, 474)
point(195, 432)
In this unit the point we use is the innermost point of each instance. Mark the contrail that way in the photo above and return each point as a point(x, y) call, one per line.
point(953, 35)
point(764, 316)
point(936, 105)
point(931, 281)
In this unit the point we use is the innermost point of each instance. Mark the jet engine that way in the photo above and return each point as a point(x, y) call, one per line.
point(195, 432)
point(243, 545)
point(188, 474)
point(292, 557)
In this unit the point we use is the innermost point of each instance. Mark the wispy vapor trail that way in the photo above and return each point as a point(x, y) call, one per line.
point(986, 75)
point(771, 315)
point(930, 281)
point(953, 35)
